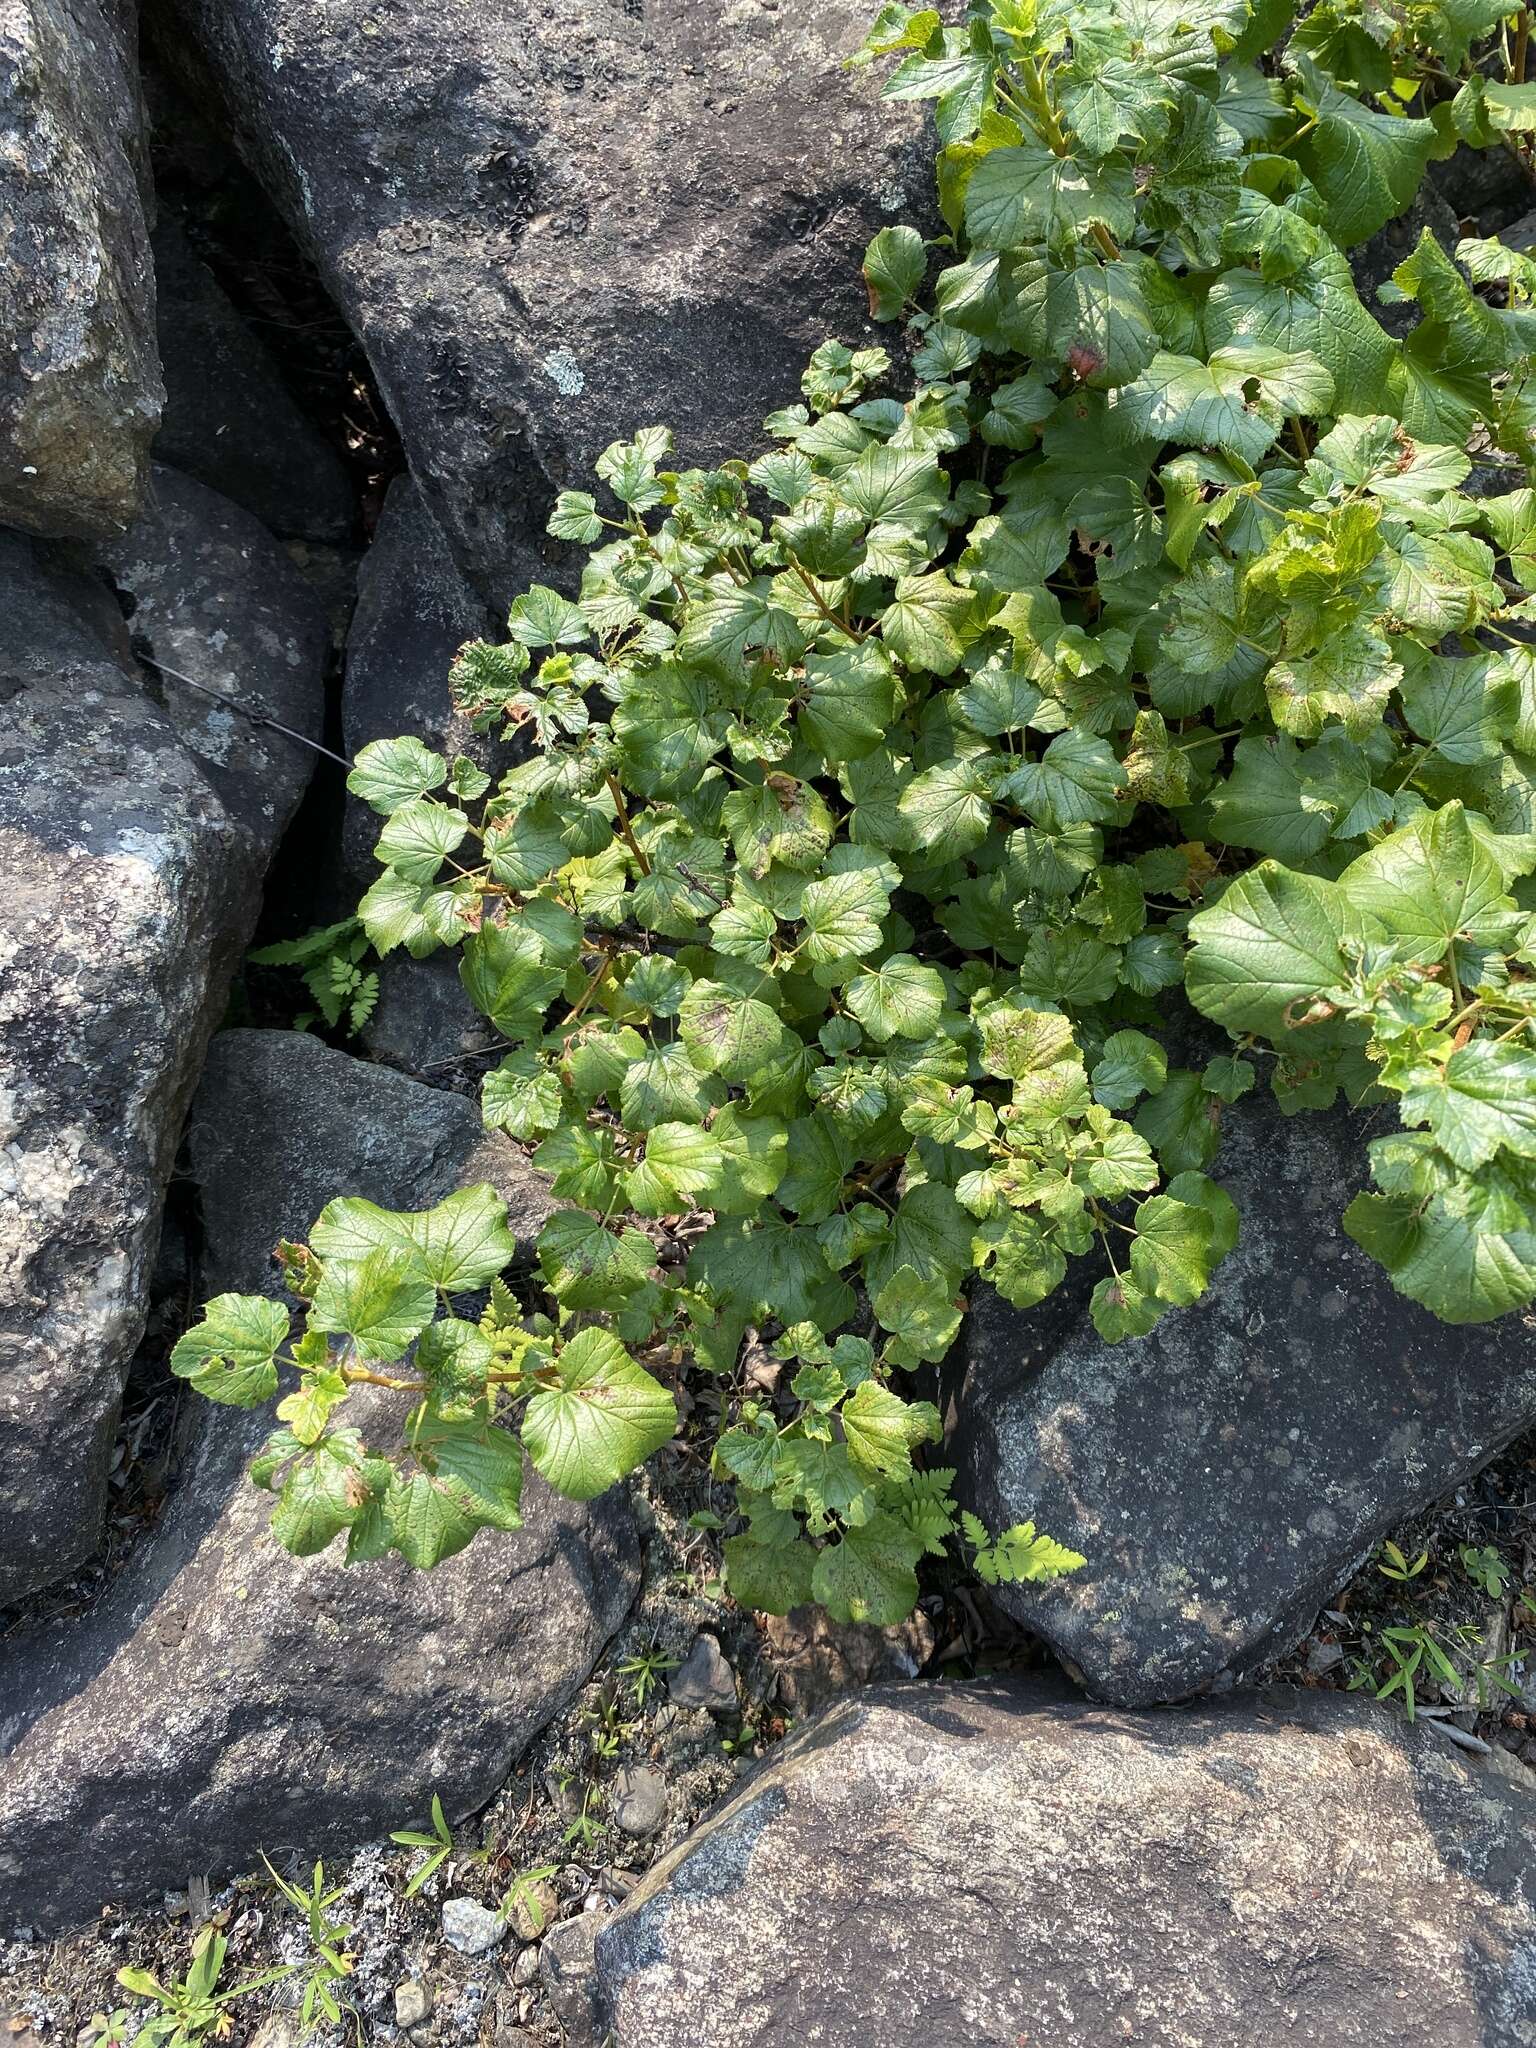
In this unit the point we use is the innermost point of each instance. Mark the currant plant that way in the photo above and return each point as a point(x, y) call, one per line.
point(876, 796)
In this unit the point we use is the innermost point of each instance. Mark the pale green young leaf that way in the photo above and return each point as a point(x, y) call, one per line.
point(843, 915)
point(605, 1416)
point(1269, 947)
point(389, 773)
point(381, 1301)
point(521, 1096)
point(418, 838)
point(901, 998)
point(869, 1575)
point(229, 1355)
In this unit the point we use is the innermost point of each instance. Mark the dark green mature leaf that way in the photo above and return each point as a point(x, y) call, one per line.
point(1074, 782)
point(1483, 1098)
point(1428, 883)
point(894, 264)
point(1019, 197)
point(1366, 165)
point(381, 1301)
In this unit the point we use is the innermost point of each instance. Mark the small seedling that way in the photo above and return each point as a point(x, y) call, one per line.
point(585, 1829)
point(1392, 1564)
point(1410, 1648)
point(743, 1742)
point(331, 1963)
point(1486, 1569)
point(110, 2029)
point(440, 1842)
point(645, 1671)
point(194, 2008)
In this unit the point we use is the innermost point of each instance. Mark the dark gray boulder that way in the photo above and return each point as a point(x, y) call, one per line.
point(551, 226)
point(134, 832)
point(1224, 1475)
point(225, 1698)
point(283, 1123)
point(423, 1022)
point(208, 592)
point(981, 1865)
point(1374, 261)
point(230, 420)
point(80, 390)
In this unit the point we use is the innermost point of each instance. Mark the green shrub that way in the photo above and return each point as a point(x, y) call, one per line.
point(881, 787)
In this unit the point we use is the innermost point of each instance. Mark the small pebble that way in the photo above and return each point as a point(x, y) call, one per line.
point(413, 2003)
point(638, 1800)
point(526, 1968)
point(535, 1910)
point(704, 1679)
point(472, 1928)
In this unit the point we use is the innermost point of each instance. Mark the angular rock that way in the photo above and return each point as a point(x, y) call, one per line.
point(413, 2002)
point(224, 1697)
point(704, 1679)
point(1223, 1476)
point(552, 226)
point(473, 1929)
point(80, 391)
point(230, 420)
point(423, 1022)
point(284, 1123)
point(134, 831)
point(1484, 187)
point(568, 1967)
point(209, 592)
point(981, 1865)
point(414, 612)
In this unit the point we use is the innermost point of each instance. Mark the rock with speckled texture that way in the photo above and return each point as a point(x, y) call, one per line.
point(80, 391)
point(135, 826)
point(224, 1697)
point(982, 1865)
point(1226, 1474)
point(210, 593)
point(552, 226)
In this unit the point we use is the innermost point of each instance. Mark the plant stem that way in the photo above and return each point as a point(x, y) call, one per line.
point(588, 992)
point(822, 606)
point(624, 825)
